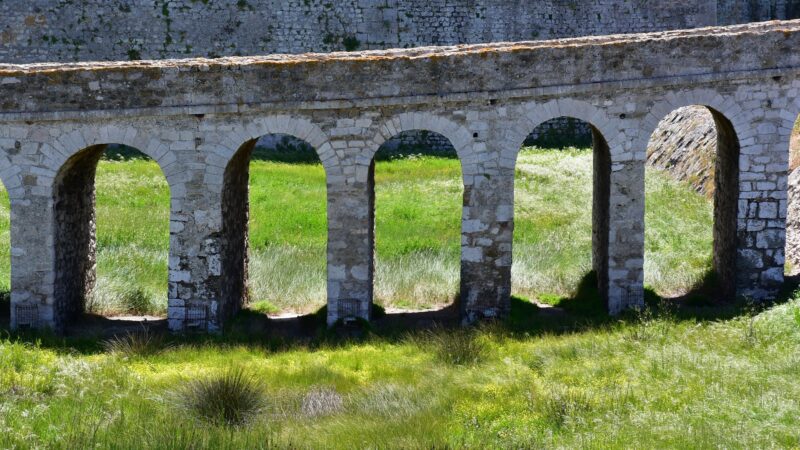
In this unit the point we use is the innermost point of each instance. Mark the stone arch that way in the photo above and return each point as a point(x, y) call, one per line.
point(400, 126)
point(733, 133)
point(458, 135)
point(606, 136)
point(73, 194)
point(296, 126)
point(535, 114)
point(712, 100)
point(235, 195)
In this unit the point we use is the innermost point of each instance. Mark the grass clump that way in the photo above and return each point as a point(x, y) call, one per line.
point(230, 398)
point(139, 343)
point(321, 402)
point(458, 347)
point(561, 404)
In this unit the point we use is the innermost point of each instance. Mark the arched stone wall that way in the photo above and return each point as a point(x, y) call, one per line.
point(194, 128)
point(73, 171)
point(234, 197)
point(739, 169)
point(601, 126)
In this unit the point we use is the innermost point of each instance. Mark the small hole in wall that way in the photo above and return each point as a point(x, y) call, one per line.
point(493, 101)
point(475, 135)
point(198, 141)
point(622, 116)
point(777, 78)
point(199, 116)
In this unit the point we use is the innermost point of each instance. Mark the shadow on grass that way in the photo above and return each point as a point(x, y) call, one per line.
point(706, 302)
point(584, 311)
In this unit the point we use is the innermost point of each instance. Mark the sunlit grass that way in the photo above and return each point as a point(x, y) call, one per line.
point(656, 382)
point(553, 227)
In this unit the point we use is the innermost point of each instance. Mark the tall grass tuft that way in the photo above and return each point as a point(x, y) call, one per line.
point(321, 402)
point(459, 347)
point(231, 398)
point(561, 405)
point(139, 343)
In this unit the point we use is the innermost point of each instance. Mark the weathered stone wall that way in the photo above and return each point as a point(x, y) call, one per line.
point(96, 30)
point(194, 117)
point(731, 12)
point(685, 145)
point(102, 30)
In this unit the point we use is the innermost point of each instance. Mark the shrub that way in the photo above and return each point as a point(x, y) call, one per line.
point(139, 343)
point(230, 398)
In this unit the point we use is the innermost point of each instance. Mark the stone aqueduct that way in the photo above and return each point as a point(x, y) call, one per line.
point(199, 119)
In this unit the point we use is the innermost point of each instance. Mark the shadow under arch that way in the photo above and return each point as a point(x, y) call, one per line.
point(600, 196)
point(724, 149)
point(236, 244)
point(75, 234)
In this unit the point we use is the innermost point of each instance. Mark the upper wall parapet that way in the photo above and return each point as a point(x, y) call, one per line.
point(235, 84)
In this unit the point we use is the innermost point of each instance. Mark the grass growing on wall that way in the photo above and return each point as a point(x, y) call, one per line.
point(418, 214)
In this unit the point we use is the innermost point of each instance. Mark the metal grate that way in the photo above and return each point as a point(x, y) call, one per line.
point(349, 308)
point(27, 315)
point(634, 295)
point(196, 317)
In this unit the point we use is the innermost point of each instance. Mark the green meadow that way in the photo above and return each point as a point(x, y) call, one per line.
point(652, 380)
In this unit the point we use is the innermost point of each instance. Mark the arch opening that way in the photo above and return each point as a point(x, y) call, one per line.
point(692, 193)
point(561, 216)
point(416, 195)
point(274, 227)
point(111, 206)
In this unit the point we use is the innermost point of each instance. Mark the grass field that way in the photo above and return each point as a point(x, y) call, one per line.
point(418, 210)
point(656, 380)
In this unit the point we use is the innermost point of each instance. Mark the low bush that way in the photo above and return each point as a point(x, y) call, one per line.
point(230, 398)
point(139, 343)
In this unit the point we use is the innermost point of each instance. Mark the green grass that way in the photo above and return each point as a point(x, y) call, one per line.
point(418, 212)
point(653, 381)
point(553, 228)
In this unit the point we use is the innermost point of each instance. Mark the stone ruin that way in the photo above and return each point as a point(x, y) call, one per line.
point(199, 119)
